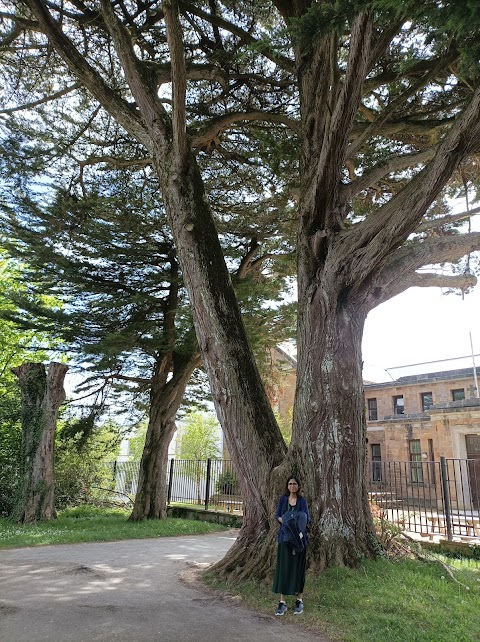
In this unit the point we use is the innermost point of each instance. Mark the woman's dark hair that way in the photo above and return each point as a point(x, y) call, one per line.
point(299, 488)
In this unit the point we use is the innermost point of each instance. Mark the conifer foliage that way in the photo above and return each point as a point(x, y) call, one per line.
point(357, 118)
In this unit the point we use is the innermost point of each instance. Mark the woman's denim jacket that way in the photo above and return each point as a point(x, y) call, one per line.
point(282, 508)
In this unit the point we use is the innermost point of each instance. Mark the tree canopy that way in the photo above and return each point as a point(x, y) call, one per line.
point(354, 120)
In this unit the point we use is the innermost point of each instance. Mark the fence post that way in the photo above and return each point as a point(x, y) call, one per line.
point(207, 482)
point(446, 498)
point(170, 481)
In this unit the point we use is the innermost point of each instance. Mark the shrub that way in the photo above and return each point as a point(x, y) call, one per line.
point(84, 472)
point(227, 483)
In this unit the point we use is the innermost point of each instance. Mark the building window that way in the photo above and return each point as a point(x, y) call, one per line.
point(376, 463)
point(372, 409)
point(416, 467)
point(427, 400)
point(458, 394)
point(398, 405)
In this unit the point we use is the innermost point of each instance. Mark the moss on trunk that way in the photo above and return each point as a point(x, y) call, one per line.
point(42, 395)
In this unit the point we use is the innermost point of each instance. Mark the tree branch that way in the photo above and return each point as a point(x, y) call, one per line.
point(179, 81)
point(401, 268)
point(278, 59)
point(333, 132)
point(397, 103)
point(88, 76)
point(372, 240)
point(214, 128)
point(116, 162)
point(419, 68)
point(42, 101)
point(435, 223)
point(351, 92)
point(402, 128)
point(246, 262)
point(153, 113)
point(426, 280)
point(394, 164)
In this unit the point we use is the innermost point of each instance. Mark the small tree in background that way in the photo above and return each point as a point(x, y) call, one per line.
point(136, 443)
point(199, 441)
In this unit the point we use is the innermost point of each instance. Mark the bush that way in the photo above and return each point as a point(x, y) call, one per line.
point(227, 483)
point(10, 440)
point(84, 472)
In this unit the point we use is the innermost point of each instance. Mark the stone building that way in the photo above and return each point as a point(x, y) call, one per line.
point(418, 419)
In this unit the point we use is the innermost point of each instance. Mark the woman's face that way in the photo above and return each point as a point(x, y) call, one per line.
point(292, 485)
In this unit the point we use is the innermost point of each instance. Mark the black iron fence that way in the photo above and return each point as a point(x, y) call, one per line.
point(431, 498)
point(210, 483)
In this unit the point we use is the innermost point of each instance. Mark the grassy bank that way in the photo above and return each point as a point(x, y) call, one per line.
point(385, 601)
point(91, 524)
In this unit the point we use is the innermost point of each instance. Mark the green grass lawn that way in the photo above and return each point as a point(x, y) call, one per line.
point(384, 601)
point(91, 524)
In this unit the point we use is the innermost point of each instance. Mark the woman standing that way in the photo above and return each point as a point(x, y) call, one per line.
point(291, 564)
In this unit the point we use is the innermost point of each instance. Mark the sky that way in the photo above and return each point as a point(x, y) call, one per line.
point(422, 325)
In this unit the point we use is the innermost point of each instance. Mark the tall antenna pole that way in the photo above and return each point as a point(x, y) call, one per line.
point(474, 367)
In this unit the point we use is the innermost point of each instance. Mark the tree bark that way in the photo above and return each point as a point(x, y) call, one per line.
point(337, 264)
point(329, 428)
point(165, 400)
point(42, 395)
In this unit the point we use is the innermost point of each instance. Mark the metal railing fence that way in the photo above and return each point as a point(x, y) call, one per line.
point(428, 497)
point(431, 498)
point(210, 483)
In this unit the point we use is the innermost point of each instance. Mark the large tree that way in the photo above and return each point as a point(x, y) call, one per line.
point(126, 310)
point(383, 107)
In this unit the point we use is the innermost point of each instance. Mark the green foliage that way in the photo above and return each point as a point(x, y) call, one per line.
point(227, 483)
point(323, 18)
point(10, 441)
point(445, 23)
point(199, 436)
point(198, 441)
point(441, 23)
point(84, 467)
point(285, 425)
point(137, 442)
point(16, 347)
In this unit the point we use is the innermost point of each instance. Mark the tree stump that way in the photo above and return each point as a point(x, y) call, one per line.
point(42, 395)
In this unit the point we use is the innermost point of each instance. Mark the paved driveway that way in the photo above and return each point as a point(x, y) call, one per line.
point(128, 591)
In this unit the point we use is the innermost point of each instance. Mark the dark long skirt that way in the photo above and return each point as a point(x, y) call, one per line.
point(290, 572)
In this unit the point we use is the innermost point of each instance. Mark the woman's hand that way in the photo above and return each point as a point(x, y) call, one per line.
point(280, 520)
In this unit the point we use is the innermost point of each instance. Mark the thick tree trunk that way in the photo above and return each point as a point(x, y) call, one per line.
point(151, 496)
point(328, 447)
point(42, 395)
point(240, 400)
point(253, 553)
point(329, 428)
point(165, 400)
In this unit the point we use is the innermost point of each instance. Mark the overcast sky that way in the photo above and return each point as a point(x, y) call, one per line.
point(422, 325)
